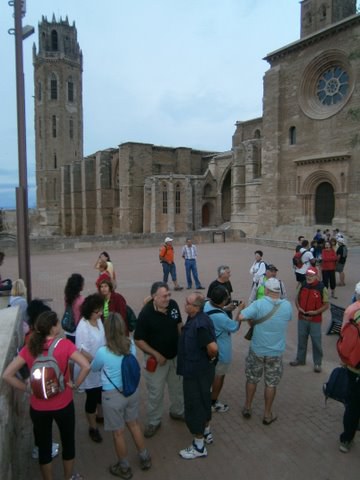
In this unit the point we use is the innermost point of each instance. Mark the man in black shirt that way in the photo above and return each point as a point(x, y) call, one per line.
point(223, 279)
point(157, 335)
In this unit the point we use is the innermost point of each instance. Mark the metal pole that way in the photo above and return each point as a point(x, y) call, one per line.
point(22, 190)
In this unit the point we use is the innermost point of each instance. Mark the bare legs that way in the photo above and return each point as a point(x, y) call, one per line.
point(269, 396)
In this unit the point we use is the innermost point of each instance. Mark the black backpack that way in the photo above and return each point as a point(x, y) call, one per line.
point(337, 387)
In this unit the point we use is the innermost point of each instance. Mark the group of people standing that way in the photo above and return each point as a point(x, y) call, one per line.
point(191, 357)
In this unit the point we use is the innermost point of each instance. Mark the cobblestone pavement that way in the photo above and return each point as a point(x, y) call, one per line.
point(302, 443)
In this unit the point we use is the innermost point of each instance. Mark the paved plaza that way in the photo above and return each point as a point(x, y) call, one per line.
point(301, 444)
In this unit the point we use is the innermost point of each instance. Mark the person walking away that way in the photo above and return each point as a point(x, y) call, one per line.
point(311, 301)
point(43, 411)
point(189, 254)
point(166, 256)
point(197, 356)
point(118, 409)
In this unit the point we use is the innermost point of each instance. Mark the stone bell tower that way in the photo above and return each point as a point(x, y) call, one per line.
point(58, 112)
point(319, 14)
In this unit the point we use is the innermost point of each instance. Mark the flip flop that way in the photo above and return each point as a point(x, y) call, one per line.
point(269, 420)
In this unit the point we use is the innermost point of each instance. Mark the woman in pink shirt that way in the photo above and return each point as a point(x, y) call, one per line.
point(43, 411)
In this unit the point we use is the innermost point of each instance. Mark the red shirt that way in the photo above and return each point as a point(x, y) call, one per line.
point(328, 259)
point(62, 353)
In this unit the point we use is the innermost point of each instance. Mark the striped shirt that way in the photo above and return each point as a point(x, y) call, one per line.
point(189, 253)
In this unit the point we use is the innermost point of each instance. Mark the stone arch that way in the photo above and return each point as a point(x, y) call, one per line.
point(208, 214)
point(324, 204)
point(319, 198)
point(225, 189)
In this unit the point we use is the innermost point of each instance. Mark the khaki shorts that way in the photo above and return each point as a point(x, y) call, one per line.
point(255, 366)
point(222, 368)
point(118, 409)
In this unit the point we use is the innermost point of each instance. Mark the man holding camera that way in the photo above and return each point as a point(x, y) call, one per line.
point(224, 327)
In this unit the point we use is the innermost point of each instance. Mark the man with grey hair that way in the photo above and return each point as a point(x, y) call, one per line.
point(270, 316)
point(196, 364)
point(223, 279)
point(157, 334)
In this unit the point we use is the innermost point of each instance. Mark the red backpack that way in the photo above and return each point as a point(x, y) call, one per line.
point(348, 345)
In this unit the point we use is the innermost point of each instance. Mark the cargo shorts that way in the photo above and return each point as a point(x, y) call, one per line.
point(255, 366)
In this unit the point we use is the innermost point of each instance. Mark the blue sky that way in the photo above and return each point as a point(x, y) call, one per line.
point(174, 73)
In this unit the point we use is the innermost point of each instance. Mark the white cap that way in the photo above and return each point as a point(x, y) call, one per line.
point(273, 284)
point(168, 239)
point(357, 288)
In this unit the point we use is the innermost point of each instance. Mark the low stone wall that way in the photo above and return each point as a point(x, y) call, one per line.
point(15, 426)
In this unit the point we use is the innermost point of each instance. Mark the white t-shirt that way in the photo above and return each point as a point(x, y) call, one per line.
point(305, 258)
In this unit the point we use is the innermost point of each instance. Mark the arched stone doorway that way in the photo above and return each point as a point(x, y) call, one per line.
point(226, 198)
point(324, 204)
point(207, 215)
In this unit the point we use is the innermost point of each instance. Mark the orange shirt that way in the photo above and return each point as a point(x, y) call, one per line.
point(167, 253)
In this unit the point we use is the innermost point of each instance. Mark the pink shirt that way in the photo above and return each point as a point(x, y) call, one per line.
point(349, 312)
point(62, 353)
point(76, 308)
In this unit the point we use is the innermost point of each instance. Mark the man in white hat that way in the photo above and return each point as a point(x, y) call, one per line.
point(270, 316)
point(166, 256)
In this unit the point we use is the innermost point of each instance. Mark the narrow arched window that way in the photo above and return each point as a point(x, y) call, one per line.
point(55, 161)
point(177, 199)
point(257, 133)
point(70, 90)
point(54, 40)
point(292, 135)
point(53, 87)
point(164, 198)
point(53, 122)
point(71, 128)
point(39, 92)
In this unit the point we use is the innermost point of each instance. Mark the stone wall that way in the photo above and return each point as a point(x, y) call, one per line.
point(15, 426)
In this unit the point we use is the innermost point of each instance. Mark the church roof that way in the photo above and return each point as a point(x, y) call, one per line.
point(313, 38)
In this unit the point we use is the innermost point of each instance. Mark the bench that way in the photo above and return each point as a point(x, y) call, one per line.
point(337, 314)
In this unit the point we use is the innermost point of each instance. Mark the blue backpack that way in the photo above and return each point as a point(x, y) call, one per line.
point(337, 387)
point(130, 372)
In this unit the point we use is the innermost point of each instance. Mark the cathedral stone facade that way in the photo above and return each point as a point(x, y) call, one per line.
point(297, 166)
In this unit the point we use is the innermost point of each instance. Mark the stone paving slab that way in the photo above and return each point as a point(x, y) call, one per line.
point(302, 443)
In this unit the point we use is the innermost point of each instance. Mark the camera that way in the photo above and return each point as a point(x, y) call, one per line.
point(235, 302)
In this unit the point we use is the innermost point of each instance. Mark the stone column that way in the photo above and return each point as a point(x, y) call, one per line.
point(171, 206)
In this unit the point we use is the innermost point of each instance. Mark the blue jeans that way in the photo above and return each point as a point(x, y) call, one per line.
point(190, 266)
point(306, 328)
point(169, 268)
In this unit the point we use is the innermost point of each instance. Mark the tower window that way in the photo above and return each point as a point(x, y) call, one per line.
point(39, 91)
point(53, 121)
point(70, 91)
point(164, 199)
point(54, 40)
point(53, 88)
point(292, 135)
point(177, 199)
point(40, 127)
point(71, 128)
point(55, 161)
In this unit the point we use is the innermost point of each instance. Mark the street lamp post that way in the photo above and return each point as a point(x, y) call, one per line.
point(22, 189)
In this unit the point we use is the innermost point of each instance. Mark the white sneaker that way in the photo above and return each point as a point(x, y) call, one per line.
point(54, 451)
point(192, 452)
point(208, 438)
point(219, 407)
